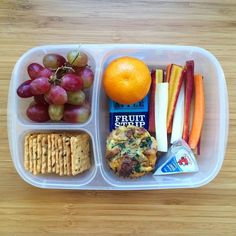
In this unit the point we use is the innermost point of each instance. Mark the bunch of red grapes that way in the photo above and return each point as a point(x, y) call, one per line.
point(58, 88)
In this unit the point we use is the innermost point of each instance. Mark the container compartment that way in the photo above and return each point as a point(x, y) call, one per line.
point(21, 75)
point(215, 124)
point(53, 180)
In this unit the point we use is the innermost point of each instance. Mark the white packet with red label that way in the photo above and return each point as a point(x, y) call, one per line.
point(178, 159)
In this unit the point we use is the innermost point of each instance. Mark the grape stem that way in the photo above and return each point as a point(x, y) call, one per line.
point(54, 79)
point(77, 55)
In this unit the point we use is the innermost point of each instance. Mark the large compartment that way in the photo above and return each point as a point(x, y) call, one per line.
point(214, 133)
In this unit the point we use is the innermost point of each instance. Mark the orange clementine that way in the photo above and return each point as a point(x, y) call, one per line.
point(126, 80)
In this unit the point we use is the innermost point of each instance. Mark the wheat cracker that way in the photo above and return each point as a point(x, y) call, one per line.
point(44, 153)
point(26, 153)
point(80, 153)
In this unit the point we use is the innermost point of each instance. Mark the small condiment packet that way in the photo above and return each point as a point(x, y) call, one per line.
point(178, 159)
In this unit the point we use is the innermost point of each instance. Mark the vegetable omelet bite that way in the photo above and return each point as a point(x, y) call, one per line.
point(131, 151)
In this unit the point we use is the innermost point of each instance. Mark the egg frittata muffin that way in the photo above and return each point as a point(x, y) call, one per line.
point(131, 151)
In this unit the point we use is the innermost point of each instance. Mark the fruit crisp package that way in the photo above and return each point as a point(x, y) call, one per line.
point(135, 114)
point(178, 159)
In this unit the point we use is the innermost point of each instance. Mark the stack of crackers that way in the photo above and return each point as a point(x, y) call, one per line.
point(62, 154)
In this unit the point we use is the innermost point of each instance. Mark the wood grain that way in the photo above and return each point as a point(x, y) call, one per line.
point(25, 210)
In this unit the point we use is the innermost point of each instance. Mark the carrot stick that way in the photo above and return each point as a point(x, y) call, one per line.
point(188, 97)
point(198, 116)
point(168, 69)
point(199, 146)
point(157, 77)
point(176, 78)
point(151, 123)
point(167, 79)
point(169, 130)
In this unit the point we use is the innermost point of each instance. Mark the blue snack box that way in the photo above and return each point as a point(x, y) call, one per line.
point(134, 114)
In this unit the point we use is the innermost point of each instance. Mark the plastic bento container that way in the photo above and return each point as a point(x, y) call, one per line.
point(100, 177)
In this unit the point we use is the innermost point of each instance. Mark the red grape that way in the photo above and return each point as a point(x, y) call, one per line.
point(34, 70)
point(38, 112)
point(56, 112)
point(47, 99)
point(45, 72)
point(56, 95)
point(87, 76)
point(76, 114)
point(53, 61)
point(24, 91)
point(39, 99)
point(40, 86)
point(71, 82)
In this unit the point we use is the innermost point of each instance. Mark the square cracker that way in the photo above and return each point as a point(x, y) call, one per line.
point(39, 153)
point(30, 153)
point(49, 156)
point(60, 155)
point(66, 154)
point(68, 148)
point(26, 153)
point(31, 164)
point(35, 155)
point(44, 154)
point(53, 153)
point(80, 153)
point(57, 165)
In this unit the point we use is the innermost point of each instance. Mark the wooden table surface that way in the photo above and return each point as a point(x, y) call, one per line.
point(26, 210)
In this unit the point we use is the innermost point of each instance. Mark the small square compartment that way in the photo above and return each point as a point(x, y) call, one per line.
point(53, 180)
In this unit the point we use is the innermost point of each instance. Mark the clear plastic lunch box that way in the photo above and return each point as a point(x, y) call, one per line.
point(214, 134)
